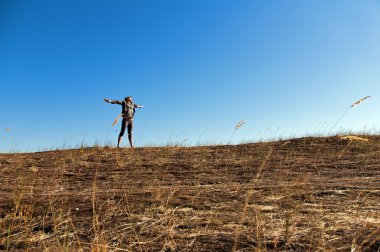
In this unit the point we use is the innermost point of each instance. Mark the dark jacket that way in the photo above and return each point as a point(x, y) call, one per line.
point(127, 109)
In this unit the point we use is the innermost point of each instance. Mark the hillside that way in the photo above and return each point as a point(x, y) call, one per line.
point(303, 194)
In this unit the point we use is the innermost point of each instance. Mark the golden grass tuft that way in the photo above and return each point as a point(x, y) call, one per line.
point(353, 138)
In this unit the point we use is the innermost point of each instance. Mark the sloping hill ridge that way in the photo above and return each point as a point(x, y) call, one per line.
point(304, 194)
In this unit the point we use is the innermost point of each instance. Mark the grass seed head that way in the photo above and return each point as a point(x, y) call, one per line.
point(239, 124)
point(360, 101)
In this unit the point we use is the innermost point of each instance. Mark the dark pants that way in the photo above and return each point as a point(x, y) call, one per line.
point(126, 123)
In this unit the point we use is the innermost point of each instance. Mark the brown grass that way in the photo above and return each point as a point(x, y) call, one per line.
point(308, 194)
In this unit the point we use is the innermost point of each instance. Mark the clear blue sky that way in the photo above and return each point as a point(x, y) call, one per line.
point(287, 68)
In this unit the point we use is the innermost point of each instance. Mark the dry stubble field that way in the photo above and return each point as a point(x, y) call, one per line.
point(308, 194)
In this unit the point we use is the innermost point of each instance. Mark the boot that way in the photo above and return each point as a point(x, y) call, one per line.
point(130, 141)
point(119, 141)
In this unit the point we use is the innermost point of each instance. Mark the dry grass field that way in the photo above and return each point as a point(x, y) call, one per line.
point(307, 194)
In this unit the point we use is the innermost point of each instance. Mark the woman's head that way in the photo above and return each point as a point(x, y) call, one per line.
point(128, 99)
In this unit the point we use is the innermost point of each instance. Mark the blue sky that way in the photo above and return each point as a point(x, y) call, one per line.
point(287, 68)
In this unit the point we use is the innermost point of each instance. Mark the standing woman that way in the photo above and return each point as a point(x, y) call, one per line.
point(128, 111)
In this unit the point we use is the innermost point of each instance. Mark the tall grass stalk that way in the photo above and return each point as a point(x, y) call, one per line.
point(351, 106)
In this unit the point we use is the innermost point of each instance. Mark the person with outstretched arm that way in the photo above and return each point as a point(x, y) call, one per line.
point(128, 111)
